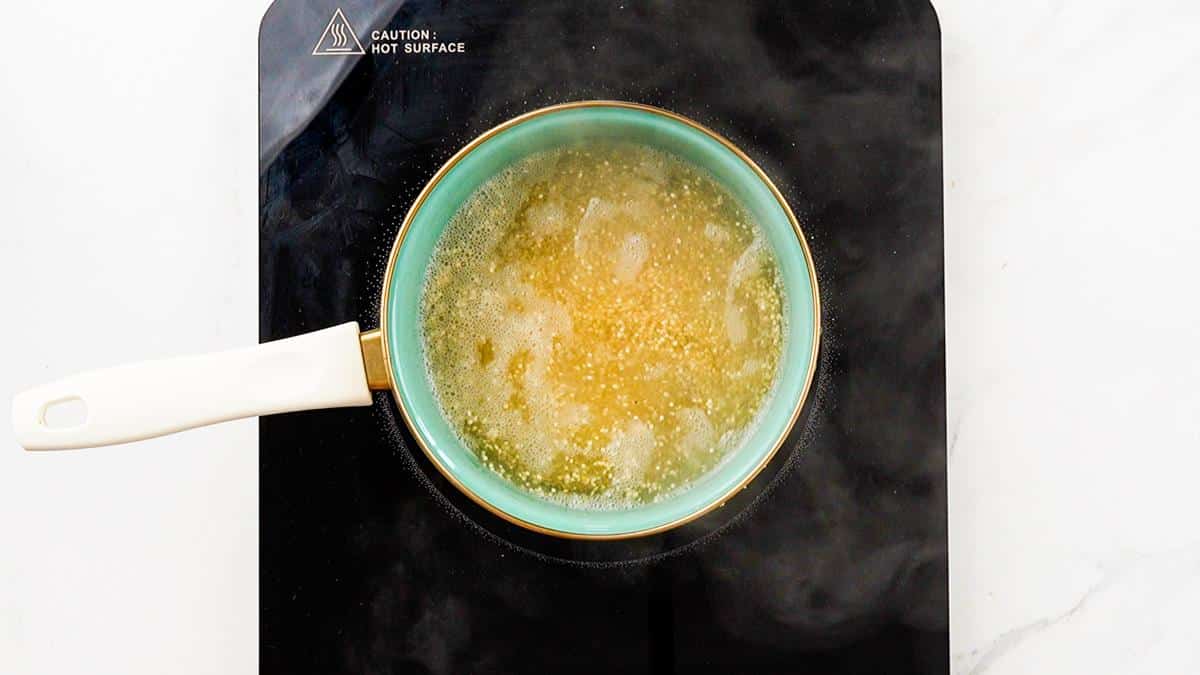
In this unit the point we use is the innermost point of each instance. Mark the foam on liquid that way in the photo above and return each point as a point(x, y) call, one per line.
point(602, 323)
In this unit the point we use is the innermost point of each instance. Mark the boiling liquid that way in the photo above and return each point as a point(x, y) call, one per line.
point(602, 324)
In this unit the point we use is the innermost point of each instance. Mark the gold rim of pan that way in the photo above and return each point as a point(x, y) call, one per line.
point(715, 502)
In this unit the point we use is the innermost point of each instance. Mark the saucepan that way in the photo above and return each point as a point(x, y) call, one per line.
point(340, 366)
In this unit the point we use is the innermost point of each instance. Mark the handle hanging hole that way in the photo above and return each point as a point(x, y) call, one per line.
point(65, 413)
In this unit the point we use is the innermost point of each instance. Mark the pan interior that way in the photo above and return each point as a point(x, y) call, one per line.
point(490, 155)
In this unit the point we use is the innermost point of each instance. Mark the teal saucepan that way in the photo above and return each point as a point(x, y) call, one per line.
point(337, 367)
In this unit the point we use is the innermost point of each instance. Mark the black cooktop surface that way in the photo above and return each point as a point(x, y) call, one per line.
point(834, 561)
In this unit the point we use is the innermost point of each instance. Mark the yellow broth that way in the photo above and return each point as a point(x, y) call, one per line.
point(602, 324)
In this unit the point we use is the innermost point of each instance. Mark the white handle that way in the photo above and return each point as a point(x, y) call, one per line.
point(323, 369)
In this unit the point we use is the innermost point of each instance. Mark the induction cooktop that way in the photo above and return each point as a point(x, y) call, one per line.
point(834, 560)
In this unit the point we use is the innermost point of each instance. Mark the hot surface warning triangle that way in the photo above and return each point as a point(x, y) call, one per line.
point(339, 38)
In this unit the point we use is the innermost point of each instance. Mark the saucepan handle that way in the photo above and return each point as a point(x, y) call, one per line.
point(323, 369)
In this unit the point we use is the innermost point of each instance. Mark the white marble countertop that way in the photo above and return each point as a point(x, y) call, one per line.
point(1071, 144)
point(1072, 232)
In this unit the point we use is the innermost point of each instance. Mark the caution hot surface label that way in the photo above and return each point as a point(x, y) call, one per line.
point(412, 41)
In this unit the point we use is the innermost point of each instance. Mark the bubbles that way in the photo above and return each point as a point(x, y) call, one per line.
point(590, 318)
point(714, 232)
point(595, 214)
point(698, 432)
point(630, 452)
point(630, 257)
point(742, 269)
point(653, 168)
point(546, 218)
point(735, 323)
point(746, 264)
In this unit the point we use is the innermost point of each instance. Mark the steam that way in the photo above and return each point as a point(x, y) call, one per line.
point(853, 534)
